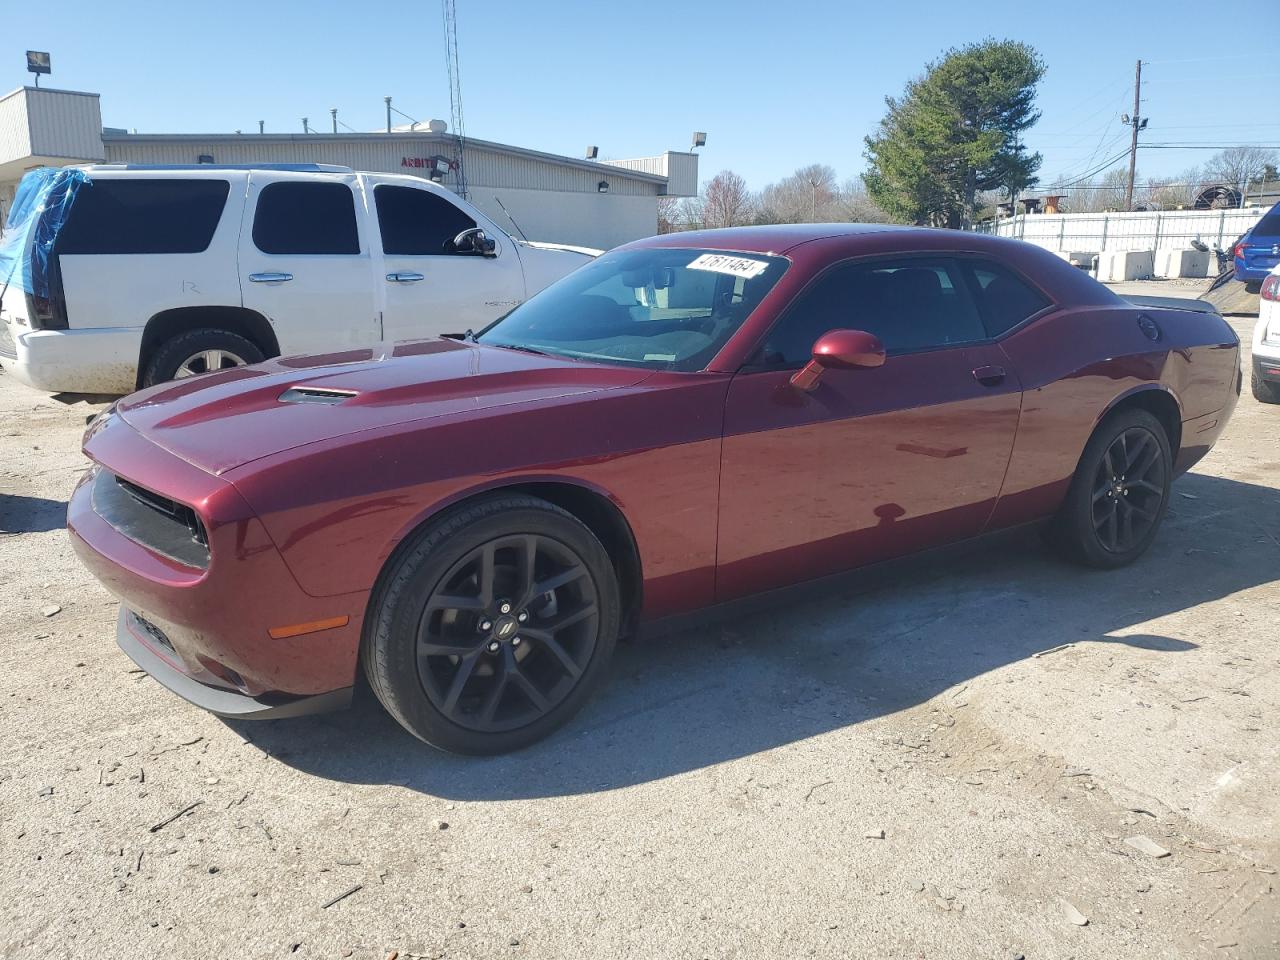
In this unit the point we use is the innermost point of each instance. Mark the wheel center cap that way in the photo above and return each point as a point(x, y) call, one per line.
point(505, 627)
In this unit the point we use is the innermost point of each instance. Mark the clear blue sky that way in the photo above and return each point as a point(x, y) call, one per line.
point(775, 85)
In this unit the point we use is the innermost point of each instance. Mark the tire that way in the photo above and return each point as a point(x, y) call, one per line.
point(168, 361)
point(1090, 525)
point(1263, 392)
point(457, 670)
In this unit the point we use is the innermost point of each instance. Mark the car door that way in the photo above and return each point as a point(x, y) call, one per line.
point(873, 463)
point(305, 264)
point(428, 286)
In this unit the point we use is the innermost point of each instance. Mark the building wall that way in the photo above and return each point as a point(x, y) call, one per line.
point(583, 219)
point(680, 169)
point(65, 124)
point(15, 132)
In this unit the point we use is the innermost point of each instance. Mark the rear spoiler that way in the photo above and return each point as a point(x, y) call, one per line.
point(1174, 303)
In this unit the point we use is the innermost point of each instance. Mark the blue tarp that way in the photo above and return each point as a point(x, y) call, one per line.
point(40, 208)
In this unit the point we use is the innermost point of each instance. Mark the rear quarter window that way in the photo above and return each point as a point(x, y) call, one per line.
point(144, 216)
point(306, 218)
point(1004, 299)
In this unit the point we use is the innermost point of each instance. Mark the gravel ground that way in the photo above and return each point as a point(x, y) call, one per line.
point(953, 765)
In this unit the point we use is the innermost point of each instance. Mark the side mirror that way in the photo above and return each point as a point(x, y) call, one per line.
point(475, 240)
point(839, 350)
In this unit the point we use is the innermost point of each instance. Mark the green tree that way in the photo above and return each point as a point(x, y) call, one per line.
point(954, 132)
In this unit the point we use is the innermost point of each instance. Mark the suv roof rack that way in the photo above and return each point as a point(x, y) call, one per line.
point(298, 167)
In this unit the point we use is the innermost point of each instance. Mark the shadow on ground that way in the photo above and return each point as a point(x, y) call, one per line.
point(703, 697)
point(19, 514)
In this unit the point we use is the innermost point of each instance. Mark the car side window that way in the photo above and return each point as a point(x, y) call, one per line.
point(910, 304)
point(1004, 299)
point(306, 218)
point(417, 222)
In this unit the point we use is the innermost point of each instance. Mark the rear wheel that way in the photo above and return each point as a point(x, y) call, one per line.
point(199, 351)
point(1119, 494)
point(1264, 392)
point(493, 627)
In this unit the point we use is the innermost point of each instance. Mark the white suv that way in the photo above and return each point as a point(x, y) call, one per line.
point(144, 274)
point(1266, 341)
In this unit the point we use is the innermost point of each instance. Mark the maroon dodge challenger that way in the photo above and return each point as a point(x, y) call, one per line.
point(687, 422)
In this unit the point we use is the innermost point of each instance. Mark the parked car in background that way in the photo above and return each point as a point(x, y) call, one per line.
point(1265, 379)
point(690, 421)
point(1258, 251)
point(116, 277)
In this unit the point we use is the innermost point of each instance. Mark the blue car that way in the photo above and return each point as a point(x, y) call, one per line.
point(1259, 249)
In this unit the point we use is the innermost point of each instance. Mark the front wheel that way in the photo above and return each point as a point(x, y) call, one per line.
point(493, 626)
point(1119, 493)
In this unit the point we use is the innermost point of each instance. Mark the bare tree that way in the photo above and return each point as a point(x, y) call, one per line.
point(726, 201)
point(1237, 166)
point(808, 195)
point(855, 206)
point(669, 220)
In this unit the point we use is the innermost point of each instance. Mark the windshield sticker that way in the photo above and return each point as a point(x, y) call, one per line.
point(743, 267)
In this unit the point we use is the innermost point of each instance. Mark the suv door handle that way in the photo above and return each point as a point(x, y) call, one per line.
point(989, 376)
point(405, 277)
point(270, 277)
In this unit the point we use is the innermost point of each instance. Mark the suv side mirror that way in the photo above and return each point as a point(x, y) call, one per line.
point(474, 240)
point(839, 350)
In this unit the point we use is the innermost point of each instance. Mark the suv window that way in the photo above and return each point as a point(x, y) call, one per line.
point(1004, 299)
point(306, 218)
point(911, 305)
point(144, 216)
point(417, 222)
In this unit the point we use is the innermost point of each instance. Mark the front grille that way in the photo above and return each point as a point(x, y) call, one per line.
point(167, 527)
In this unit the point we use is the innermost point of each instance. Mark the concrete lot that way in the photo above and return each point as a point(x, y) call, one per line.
point(1006, 720)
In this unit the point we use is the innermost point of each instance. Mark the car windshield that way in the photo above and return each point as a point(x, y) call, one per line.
point(665, 308)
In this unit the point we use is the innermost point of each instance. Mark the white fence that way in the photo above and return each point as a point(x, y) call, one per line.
point(1098, 232)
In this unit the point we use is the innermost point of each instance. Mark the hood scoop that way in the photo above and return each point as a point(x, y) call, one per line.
point(315, 395)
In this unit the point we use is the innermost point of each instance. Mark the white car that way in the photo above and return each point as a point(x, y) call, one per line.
point(113, 277)
point(1266, 341)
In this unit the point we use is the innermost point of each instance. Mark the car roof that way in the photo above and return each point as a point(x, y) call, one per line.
point(773, 238)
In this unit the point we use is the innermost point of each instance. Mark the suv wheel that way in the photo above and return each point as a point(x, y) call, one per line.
point(1264, 392)
point(199, 351)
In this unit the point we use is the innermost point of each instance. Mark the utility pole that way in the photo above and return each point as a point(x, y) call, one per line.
point(1137, 125)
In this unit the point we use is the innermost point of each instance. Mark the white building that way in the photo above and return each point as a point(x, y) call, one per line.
point(548, 197)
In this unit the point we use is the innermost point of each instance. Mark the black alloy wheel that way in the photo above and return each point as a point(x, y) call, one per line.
point(492, 625)
point(507, 633)
point(1128, 490)
point(1119, 493)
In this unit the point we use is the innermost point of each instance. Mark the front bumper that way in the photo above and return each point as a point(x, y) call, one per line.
point(134, 639)
point(212, 626)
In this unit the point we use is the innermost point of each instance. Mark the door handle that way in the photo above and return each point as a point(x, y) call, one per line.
point(405, 277)
point(989, 376)
point(270, 277)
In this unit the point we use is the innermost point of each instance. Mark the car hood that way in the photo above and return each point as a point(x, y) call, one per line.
point(225, 420)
